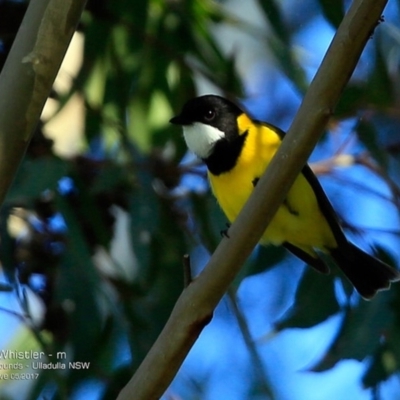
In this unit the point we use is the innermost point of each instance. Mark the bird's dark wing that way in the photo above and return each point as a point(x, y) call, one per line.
point(325, 205)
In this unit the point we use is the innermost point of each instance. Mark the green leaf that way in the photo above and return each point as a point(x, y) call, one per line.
point(209, 218)
point(36, 176)
point(315, 302)
point(333, 11)
point(384, 255)
point(110, 176)
point(352, 98)
point(196, 38)
point(79, 283)
point(162, 281)
point(380, 88)
point(115, 382)
point(135, 12)
point(281, 47)
point(360, 333)
point(145, 220)
point(382, 365)
point(289, 64)
point(265, 257)
point(369, 137)
point(138, 128)
point(275, 18)
point(386, 359)
point(392, 335)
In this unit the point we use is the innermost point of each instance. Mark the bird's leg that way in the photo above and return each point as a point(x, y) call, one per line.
point(224, 232)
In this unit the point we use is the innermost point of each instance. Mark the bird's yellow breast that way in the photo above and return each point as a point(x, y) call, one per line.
point(299, 222)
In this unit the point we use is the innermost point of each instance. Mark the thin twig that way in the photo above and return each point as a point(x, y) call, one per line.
point(23, 317)
point(367, 162)
point(264, 381)
point(187, 271)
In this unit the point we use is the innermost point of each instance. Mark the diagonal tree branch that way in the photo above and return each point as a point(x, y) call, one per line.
point(28, 75)
point(195, 306)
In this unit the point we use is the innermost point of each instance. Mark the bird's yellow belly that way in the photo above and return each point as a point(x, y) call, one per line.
point(303, 225)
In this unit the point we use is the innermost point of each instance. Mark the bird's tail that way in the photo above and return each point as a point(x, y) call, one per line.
point(366, 273)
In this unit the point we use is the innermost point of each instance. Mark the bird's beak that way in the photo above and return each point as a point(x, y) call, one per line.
point(179, 120)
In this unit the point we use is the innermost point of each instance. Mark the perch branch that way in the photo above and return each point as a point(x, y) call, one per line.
point(195, 306)
point(28, 75)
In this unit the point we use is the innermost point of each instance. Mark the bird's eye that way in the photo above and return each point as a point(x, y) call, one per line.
point(209, 115)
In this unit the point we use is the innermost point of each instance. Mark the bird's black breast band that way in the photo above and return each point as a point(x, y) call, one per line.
point(225, 154)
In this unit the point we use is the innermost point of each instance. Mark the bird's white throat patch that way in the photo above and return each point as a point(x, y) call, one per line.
point(201, 138)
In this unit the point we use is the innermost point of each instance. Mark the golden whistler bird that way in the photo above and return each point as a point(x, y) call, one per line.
point(237, 150)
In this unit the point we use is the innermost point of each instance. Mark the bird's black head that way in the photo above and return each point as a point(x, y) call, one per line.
point(207, 121)
point(210, 110)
